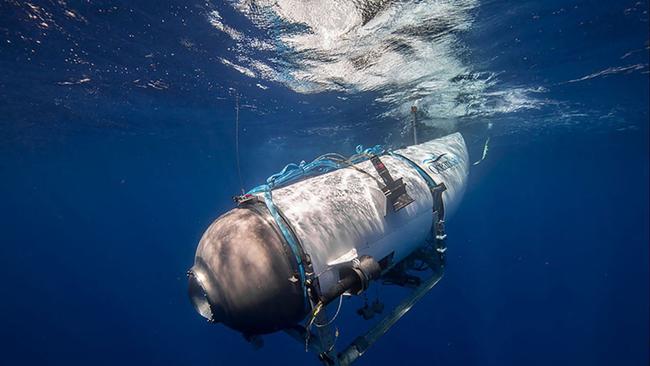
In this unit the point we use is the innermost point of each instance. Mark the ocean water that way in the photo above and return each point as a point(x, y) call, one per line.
point(117, 150)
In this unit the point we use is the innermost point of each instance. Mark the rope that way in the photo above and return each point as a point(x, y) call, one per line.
point(322, 164)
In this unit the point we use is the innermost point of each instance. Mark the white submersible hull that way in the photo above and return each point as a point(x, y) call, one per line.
point(262, 266)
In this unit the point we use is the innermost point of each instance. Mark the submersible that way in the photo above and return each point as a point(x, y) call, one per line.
point(294, 245)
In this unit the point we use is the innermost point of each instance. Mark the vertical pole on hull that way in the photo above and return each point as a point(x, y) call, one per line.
point(241, 183)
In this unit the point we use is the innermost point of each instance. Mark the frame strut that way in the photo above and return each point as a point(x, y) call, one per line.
point(360, 345)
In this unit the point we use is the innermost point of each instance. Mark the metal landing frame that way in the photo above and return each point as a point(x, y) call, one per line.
point(322, 343)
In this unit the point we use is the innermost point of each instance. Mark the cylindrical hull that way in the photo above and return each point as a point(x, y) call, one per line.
point(248, 276)
point(343, 214)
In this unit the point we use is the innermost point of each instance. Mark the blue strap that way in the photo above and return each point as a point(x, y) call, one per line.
point(290, 239)
point(432, 185)
point(293, 172)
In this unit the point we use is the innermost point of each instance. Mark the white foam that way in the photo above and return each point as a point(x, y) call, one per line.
point(407, 51)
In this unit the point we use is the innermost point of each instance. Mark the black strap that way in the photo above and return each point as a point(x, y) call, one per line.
point(394, 190)
point(438, 204)
point(438, 234)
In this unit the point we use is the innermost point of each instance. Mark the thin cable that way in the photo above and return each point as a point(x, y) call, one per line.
point(336, 338)
point(314, 314)
point(335, 315)
point(241, 183)
point(312, 321)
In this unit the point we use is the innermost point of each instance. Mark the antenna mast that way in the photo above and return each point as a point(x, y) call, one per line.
point(414, 111)
point(241, 184)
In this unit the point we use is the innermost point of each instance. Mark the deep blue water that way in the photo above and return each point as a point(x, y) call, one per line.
point(117, 150)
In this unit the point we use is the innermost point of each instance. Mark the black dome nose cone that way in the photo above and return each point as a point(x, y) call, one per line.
point(244, 274)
